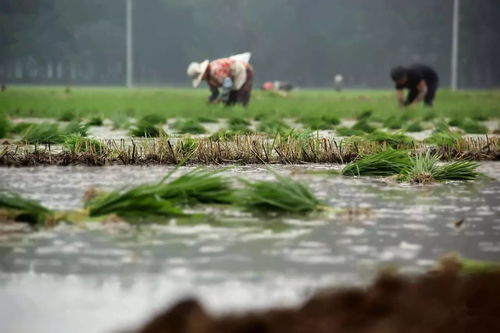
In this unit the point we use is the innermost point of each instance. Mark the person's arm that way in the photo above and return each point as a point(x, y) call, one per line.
point(227, 86)
point(214, 96)
point(422, 91)
point(400, 97)
point(239, 73)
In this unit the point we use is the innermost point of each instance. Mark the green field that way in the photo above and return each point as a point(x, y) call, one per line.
point(52, 102)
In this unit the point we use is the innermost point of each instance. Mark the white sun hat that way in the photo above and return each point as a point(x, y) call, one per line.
point(196, 71)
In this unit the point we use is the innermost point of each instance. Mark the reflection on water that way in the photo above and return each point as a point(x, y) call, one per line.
point(100, 278)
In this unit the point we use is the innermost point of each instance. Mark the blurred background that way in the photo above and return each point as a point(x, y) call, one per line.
point(302, 41)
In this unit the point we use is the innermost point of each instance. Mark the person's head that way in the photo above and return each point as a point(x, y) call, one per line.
point(197, 72)
point(399, 74)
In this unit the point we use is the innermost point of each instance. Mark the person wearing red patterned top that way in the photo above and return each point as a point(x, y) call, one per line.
point(233, 76)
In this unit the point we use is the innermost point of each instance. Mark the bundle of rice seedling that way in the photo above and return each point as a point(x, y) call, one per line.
point(95, 121)
point(141, 201)
point(441, 126)
point(154, 119)
point(120, 121)
point(364, 115)
point(473, 127)
point(282, 195)
point(421, 169)
point(479, 116)
point(198, 186)
point(239, 128)
point(393, 140)
point(77, 128)
point(24, 210)
point(20, 128)
point(238, 121)
point(76, 143)
point(456, 122)
point(363, 125)
point(345, 131)
point(162, 199)
point(68, 115)
point(5, 125)
point(272, 125)
point(144, 129)
point(315, 123)
point(386, 163)
point(189, 126)
point(207, 119)
point(332, 120)
point(416, 126)
point(44, 133)
point(223, 135)
point(424, 169)
point(460, 170)
point(187, 146)
point(447, 139)
point(393, 122)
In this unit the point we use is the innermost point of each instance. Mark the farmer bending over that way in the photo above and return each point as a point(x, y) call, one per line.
point(234, 76)
point(421, 81)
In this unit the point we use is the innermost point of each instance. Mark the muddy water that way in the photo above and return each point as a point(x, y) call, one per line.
point(102, 278)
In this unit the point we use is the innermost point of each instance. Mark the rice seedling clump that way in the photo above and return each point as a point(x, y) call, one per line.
point(393, 122)
point(68, 115)
point(76, 127)
point(190, 126)
point(396, 140)
point(364, 126)
point(76, 143)
point(282, 195)
point(144, 129)
point(154, 118)
point(95, 121)
point(24, 210)
point(424, 169)
point(4, 125)
point(44, 133)
point(415, 126)
point(473, 127)
point(386, 163)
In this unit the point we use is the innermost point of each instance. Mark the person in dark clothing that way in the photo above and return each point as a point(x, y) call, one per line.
point(421, 81)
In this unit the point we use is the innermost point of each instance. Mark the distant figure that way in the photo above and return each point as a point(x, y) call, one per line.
point(422, 82)
point(337, 82)
point(234, 75)
point(277, 86)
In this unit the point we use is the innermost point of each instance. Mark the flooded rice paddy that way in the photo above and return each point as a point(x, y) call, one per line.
point(108, 277)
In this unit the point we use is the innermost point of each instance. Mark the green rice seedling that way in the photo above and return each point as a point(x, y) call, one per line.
point(189, 126)
point(24, 210)
point(470, 266)
point(424, 169)
point(140, 201)
point(95, 121)
point(162, 199)
point(365, 115)
point(428, 115)
point(345, 131)
point(154, 118)
point(68, 115)
point(393, 122)
point(416, 126)
point(144, 129)
point(5, 125)
point(473, 127)
point(456, 122)
point(223, 134)
point(421, 169)
point(20, 128)
point(198, 186)
point(188, 146)
point(77, 143)
point(330, 119)
point(120, 121)
point(317, 124)
point(396, 140)
point(441, 126)
point(386, 163)
point(364, 126)
point(460, 170)
point(207, 119)
point(272, 125)
point(283, 195)
point(235, 121)
point(239, 128)
point(447, 139)
point(44, 133)
point(76, 127)
point(479, 116)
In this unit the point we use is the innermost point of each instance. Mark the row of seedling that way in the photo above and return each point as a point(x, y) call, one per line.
point(168, 198)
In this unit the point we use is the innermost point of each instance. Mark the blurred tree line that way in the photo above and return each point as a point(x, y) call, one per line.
point(303, 41)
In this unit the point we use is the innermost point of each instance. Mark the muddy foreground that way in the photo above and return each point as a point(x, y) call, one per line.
point(437, 302)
